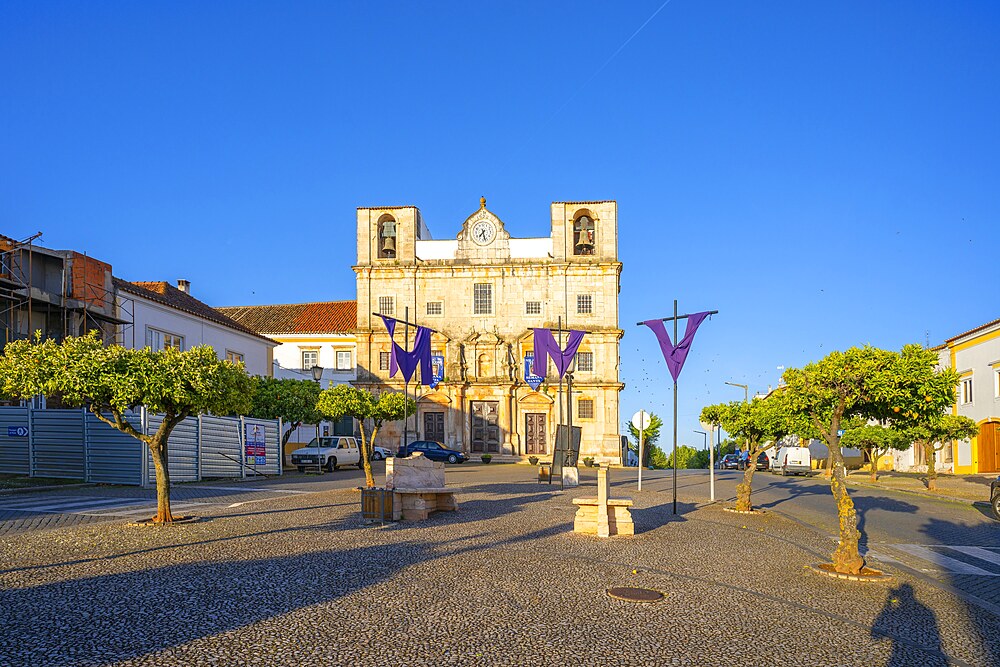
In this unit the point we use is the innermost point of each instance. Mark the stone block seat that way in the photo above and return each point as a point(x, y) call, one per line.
point(603, 516)
point(417, 486)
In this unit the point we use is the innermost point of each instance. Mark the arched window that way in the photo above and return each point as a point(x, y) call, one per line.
point(583, 235)
point(387, 237)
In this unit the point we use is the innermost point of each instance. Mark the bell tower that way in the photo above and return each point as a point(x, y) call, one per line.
point(388, 234)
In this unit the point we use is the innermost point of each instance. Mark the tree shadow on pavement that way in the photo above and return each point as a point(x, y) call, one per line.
point(119, 616)
point(794, 489)
point(903, 616)
point(865, 504)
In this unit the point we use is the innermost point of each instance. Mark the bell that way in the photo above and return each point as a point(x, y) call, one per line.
point(389, 243)
point(586, 237)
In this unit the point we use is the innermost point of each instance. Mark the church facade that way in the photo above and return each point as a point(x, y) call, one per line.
point(482, 292)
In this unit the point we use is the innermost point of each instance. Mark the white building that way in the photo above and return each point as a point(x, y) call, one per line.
point(165, 316)
point(307, 335)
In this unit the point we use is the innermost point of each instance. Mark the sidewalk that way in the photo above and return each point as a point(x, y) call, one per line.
point(503, 581)
point(963, 488)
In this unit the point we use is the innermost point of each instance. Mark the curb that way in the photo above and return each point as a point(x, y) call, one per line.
point(31, 489)
point(921, 494)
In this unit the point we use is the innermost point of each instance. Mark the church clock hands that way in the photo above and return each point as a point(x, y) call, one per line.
point(483, 232)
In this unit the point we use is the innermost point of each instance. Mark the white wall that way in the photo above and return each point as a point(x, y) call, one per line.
point(288, 356)
point(195, 330)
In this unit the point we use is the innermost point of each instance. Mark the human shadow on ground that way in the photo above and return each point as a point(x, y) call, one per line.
point(127, 615)
point(903, 616)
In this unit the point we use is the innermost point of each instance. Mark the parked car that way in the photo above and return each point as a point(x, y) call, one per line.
point(379, 453)
point(995, 498)
point(763, 462)
point(729, 462)
point(792, 461)
point(329, 453)
point(435, 451)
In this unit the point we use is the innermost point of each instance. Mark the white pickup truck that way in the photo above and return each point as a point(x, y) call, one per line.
point(331, 452)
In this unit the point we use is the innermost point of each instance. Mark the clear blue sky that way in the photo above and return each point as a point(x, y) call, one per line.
point(824, 174)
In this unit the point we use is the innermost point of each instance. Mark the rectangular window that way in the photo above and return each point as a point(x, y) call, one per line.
point(482, 299)
point(996, 383)
point(161, 340)
point(967, 391)
point(435, 307)
point(233, 356)
point(532, 307)
point(310, 358)
point(585, 408)
point(387, 305)
point(585, 361)
point(344, 360)
point(383, 361)
point(584, 304)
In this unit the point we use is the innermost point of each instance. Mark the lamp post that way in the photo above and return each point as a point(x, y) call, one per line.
point(711, 466)
point(317, 373)
point(746, 390)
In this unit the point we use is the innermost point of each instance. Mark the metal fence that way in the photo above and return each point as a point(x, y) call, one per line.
point(74, 444)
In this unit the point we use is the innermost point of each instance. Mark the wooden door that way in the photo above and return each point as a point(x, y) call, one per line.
point(534, 433)
point(485, 426)
point(989, 447)
point(434, 426)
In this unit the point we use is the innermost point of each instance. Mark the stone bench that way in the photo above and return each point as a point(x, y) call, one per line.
point(417, 486)
point(603, 516)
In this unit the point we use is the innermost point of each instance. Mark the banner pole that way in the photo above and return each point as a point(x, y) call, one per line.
point(675, 415)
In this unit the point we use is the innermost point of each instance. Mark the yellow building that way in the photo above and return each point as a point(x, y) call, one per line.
point(975, 354)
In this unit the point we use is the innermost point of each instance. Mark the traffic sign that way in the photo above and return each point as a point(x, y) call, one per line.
point(640, 420)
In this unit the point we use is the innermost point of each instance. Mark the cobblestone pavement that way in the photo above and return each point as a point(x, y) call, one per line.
point(955, 543)
point(504, 581)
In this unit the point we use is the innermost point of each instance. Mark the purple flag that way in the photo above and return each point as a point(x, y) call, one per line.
point(676, 354)
point(546, 346)
point(400, 359)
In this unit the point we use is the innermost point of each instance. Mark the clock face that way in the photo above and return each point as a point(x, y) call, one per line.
point(483, 232)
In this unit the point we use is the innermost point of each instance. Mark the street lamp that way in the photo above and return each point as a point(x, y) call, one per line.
point(317, 373)
point(746, 390)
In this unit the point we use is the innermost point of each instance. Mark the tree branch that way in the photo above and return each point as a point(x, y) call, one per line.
point(119, 423)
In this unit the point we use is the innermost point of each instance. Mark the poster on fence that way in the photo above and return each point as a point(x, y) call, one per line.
point(255, 446)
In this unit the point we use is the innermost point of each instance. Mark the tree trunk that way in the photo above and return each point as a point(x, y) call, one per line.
point(931, 469)
point(829, 465)
point(287, 435)
point(846, 558)
point(744, 488)
point(158, 448)
point(366, 460)
point(874, 455)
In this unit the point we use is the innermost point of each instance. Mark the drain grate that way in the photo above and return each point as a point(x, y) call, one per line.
point(635, 594)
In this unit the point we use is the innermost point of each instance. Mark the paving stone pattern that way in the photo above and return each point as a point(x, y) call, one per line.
point(302, 580)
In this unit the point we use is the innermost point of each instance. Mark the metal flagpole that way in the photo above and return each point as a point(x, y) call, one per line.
point(406, 382)
point(675, 415)
point(559, 425)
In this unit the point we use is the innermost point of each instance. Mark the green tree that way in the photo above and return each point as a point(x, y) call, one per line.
point(758, 423)
point(936, 432)
point(688, 457)
point(111, 380)
point(650, 436)
point(877, 441)
point(344, 400)
point(292, 401)
point(870, 384)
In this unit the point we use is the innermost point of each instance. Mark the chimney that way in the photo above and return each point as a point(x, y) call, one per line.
point(184, 285)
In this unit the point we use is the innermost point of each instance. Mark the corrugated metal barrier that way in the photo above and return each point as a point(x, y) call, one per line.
point(74, 444)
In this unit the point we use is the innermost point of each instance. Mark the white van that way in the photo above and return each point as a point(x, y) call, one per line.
point(792, 461)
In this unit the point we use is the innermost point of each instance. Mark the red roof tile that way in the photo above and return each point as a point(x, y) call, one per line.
point(299, 318)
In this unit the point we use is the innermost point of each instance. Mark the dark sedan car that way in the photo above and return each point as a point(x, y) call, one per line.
point(763, 462)
point(435, 451)
point(995, 498)
point(730, 462)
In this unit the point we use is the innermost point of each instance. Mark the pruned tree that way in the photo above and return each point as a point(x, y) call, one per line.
point(292, 401)
point(936, 432)
point(650, 436)
point(877, 441)
point(112, 380)
point(757, 423)
point(870, 384)
point(344, 400)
